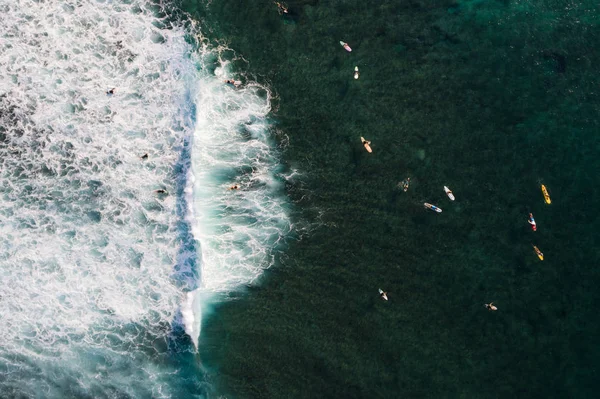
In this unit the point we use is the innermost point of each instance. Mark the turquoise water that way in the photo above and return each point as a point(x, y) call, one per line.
point(489, 98)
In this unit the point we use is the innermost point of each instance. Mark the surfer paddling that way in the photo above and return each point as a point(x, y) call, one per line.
point(490, 306)
point(531, 221)
point(232, 82)
point(345, 46)
point(383, 294)
point(449, 193)
point(367, 144)
point(281, 8)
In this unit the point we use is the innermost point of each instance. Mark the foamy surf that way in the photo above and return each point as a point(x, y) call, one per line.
point(96, 264)
point(90, 255)
point(238, 229)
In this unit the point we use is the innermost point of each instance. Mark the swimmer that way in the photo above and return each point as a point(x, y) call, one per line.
point(234, 187)
point(145, 156)
point(490, 306)
point(161, 191)
point(281, 8)
point(111, 91)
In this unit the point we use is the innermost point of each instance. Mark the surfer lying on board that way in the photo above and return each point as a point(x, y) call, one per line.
point(490, 306)
point(383, 294)
point(531, 221)
point(235, 83)
point(281, 8)
point(366, 143)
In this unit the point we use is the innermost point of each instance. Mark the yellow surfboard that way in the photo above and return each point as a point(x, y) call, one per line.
point(366, 144)
point(546, 195)
point(538, 252)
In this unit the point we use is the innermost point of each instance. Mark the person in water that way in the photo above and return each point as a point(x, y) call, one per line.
point(232, 82)
point(111, 91)
point(366, 144)
point(234, 187)
point(281, 8)
point(145, 156)
point(490, 306)
point(383, 295)
point(161, 191)
point(531, 221)
point(405, 184)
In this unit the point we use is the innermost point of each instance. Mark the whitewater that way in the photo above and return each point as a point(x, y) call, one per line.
point(117, 224)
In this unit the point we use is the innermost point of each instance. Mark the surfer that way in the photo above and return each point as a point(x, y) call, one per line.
point(234, 187)
point(538, 252)
point(449, 193)
point(345, 46)
point(281, 8)
point(546, 195)
point(433, 207)
point(404, 184)
point(111, 91)
point(161, 191)
point(145, 156)
point(383, 294)
point(232, 82)
point(490, 306)
point(531, 221)
point(366, 143)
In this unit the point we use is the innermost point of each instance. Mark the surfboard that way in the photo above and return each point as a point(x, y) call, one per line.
point(538, 252)
point(449, 193)
point(546, 195)
point(383, 294)
point(432, 207)
point(366, 144)
point(345, 46)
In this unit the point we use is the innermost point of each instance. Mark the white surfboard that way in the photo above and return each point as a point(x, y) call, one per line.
point(383, 294)
point(449, 193)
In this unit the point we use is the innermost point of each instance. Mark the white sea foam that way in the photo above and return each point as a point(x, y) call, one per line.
point(87, 250)
point(95, 265)
point(233, 145)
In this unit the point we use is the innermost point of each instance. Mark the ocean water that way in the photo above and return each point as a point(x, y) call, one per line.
point(491, 98)
point(111, 289)
point(117, 226)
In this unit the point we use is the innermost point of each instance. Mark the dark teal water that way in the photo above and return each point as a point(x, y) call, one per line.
point(491, 98)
